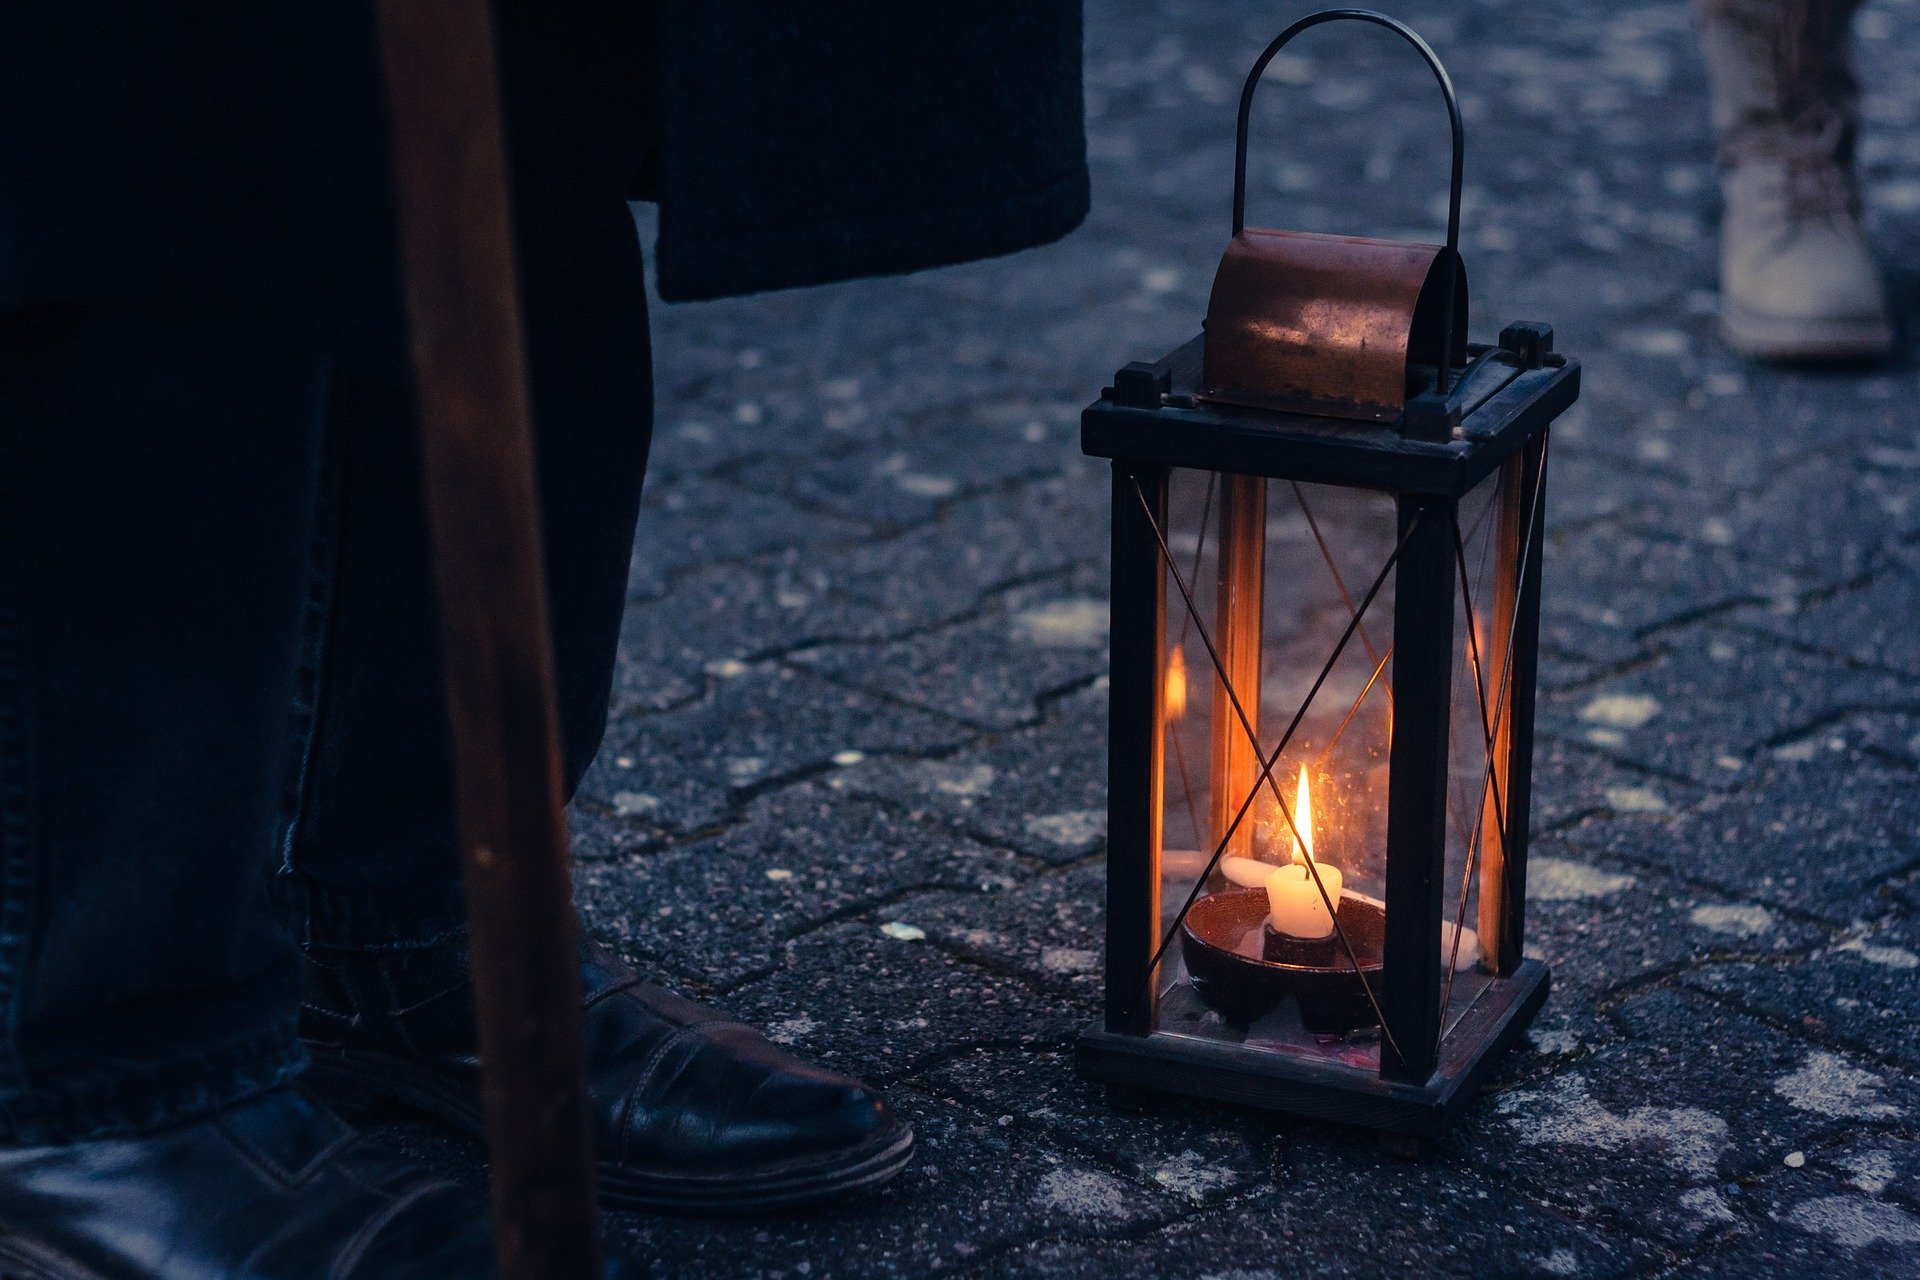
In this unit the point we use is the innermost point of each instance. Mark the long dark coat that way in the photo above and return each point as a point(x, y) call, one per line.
point(232, 152)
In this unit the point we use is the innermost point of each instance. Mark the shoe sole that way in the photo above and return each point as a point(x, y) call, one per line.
point(1763, 337)
point(790, 1185)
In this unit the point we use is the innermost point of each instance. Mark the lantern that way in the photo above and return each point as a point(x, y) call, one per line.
point(1327, 536)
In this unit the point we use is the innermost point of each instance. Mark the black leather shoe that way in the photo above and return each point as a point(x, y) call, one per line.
point(278, 1188)
point(694, 1112)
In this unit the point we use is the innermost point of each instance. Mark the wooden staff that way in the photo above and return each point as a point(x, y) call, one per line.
point(483, 515)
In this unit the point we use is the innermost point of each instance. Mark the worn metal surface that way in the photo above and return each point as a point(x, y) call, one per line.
point(1321, 324)
point(1186, 432)
point(1450, 321)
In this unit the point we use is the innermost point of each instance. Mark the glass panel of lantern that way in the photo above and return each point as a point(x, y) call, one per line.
point(1284, 761)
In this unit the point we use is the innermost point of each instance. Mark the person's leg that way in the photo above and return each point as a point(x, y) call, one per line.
point(372, 855)
point(1797, 278)
point(160, 484)
point(692, 1110)
point(158, 480)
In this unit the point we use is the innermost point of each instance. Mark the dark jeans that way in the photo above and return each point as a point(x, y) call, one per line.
point(221, 730)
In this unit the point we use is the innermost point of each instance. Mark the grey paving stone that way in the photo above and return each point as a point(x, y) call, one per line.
point(975, 1190)
point(1870, 623)
point(982, 545)
point(1843, 518)
point(599, 835)
point(898, 482)
point(1573, 782)
point(879, 1002)
point(1710, 702)
point(1651, 1131)
point(1565, 669)
point(1584, 489)
point(690, 521)
point(750, 398)
point(722, 908)
point(1579, 647)
point(1604, 924)
point(1192, 1152)
point(1780, 421)
point(1593, 609)
point(1568, 1030)
point(1857, 992)
point(1904, 889)
point(1889, 737)
point(1850, 1209)
point(1049, 929)
point(1040, 790)
point(1886, 1165)
point(1884, 446)
point(1635, 416)
point(716, 620)
point(1818, 836)
point(1350, 1223)
point(993, 671)
point(686, 769)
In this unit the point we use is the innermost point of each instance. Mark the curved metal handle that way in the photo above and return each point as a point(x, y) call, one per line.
point(1453, 115)
point(1379, 20)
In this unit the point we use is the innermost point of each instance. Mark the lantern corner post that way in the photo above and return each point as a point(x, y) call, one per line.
point(1136, 752)
point(1423, 646)
point(1507, 913)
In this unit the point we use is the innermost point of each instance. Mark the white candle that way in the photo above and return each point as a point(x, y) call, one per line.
point(1248, 873)
point(1294, 901)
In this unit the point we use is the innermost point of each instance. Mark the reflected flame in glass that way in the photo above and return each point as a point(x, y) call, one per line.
point(1176, 692)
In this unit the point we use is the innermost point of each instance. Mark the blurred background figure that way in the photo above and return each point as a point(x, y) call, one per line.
point(1797, 280)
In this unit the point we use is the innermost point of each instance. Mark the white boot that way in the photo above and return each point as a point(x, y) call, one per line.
point(1797, 280)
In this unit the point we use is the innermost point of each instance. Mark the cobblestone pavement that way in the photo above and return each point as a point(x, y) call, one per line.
point(853, 787)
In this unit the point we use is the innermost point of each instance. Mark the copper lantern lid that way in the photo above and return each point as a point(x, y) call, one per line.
point(1335, 326)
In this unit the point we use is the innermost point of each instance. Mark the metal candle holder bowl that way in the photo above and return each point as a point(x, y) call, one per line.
point(1228, 953)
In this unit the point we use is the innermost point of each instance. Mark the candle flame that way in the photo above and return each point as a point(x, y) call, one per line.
point(1176, 691)
point(1303, 821)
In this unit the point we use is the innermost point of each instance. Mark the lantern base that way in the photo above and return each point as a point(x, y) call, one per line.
point(1324, 1089)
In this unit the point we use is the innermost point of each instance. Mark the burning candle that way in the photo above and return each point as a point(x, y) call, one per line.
point(1294, 902)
